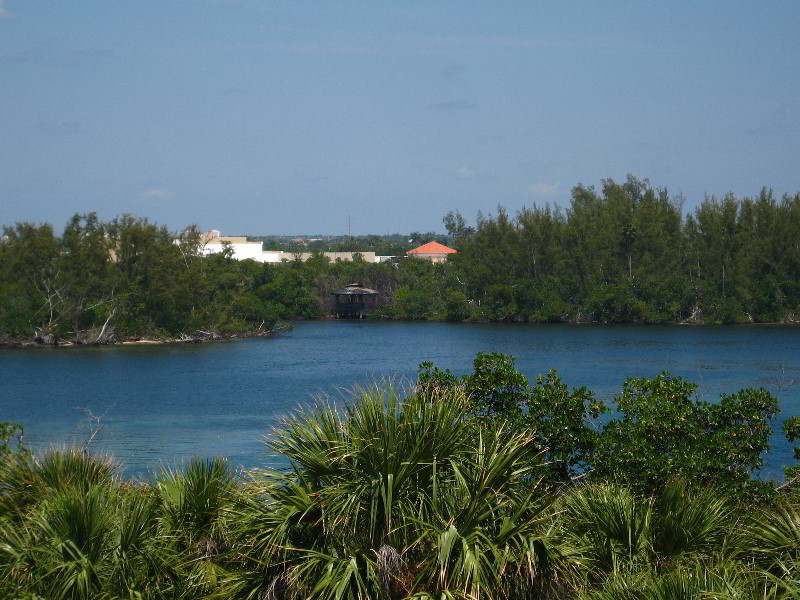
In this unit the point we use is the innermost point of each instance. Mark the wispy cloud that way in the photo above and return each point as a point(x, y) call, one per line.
point(156, 194)
point(465, 173)
point(542, 190)
point(4, 12)
point(452, 105)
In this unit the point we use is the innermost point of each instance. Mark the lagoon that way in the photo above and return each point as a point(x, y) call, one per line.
point(163, 404)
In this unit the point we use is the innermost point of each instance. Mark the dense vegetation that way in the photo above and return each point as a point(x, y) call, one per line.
point(474, 486)
point(628, 254)
point(625, 254)
point(128, 278)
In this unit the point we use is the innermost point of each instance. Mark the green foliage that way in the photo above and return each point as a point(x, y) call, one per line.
point(611, 523)
point(420, 493)
point(560, 419)
point(26, 478)
point(689, 522)
point(625, 253)
point(496, 388)
point(10, 439)
point(69, 529)
point(773, 538)
point(100, 282)
point(662, 434)
point(392, 498)
point(432, 380)
point(659, 432)
point(193, 502)
point(791, 429)
point(622, 254)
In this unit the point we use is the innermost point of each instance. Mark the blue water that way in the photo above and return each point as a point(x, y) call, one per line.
point(163, 404)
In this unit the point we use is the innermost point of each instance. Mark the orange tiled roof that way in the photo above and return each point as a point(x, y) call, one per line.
point(432, 248)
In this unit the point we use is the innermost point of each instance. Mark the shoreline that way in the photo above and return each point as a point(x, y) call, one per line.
point(204, 336)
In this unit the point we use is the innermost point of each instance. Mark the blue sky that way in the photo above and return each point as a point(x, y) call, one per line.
point(284, 117)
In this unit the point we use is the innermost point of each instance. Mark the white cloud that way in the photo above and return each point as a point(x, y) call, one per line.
point(4, 12)
point(465, 173)
point(542, 190)
point(156, 194)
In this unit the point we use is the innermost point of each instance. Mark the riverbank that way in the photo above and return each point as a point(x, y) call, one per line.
point(199, 337)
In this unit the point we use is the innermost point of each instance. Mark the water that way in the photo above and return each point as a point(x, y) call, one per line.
point(163, 404)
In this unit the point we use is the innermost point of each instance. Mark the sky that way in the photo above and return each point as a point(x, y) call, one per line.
point(260, 117)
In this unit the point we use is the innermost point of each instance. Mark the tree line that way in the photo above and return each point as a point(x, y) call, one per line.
point(623, 254)
point(627, 253)
point(101, 281)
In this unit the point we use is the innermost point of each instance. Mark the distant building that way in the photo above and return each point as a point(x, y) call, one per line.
point(354, 301)
point(212, 243)
point(333, 256)
point(433, 251)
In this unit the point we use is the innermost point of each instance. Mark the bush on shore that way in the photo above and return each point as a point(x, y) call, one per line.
point(446, 490)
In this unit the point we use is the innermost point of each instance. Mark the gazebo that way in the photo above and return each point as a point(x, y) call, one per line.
point(354, 301)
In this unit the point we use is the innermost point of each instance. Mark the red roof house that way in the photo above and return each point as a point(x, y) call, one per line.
point(433, 251)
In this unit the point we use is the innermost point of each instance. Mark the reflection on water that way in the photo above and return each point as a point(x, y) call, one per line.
point(163, 404)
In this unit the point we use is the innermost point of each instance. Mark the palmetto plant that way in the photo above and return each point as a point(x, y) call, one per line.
point(678, 544)
point(772, 541)
point(702, 581)
point(26, 479)
point(610, 523)
point(192, 503)
point(193, 527)
point(72, 530)
point(688, 522)
point(391, 497)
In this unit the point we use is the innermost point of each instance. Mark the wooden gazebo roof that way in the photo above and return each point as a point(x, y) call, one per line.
point(354, 289)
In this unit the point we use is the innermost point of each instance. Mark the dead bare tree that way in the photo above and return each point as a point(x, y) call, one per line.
point(784, 382)
point(102, 333)
point(92, 423)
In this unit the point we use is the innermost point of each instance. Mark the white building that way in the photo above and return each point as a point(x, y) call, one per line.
point(213, 242)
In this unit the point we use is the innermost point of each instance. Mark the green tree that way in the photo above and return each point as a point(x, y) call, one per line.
point(496, 388)
point(662, 433)
point(10, 439)
point(562, 420)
